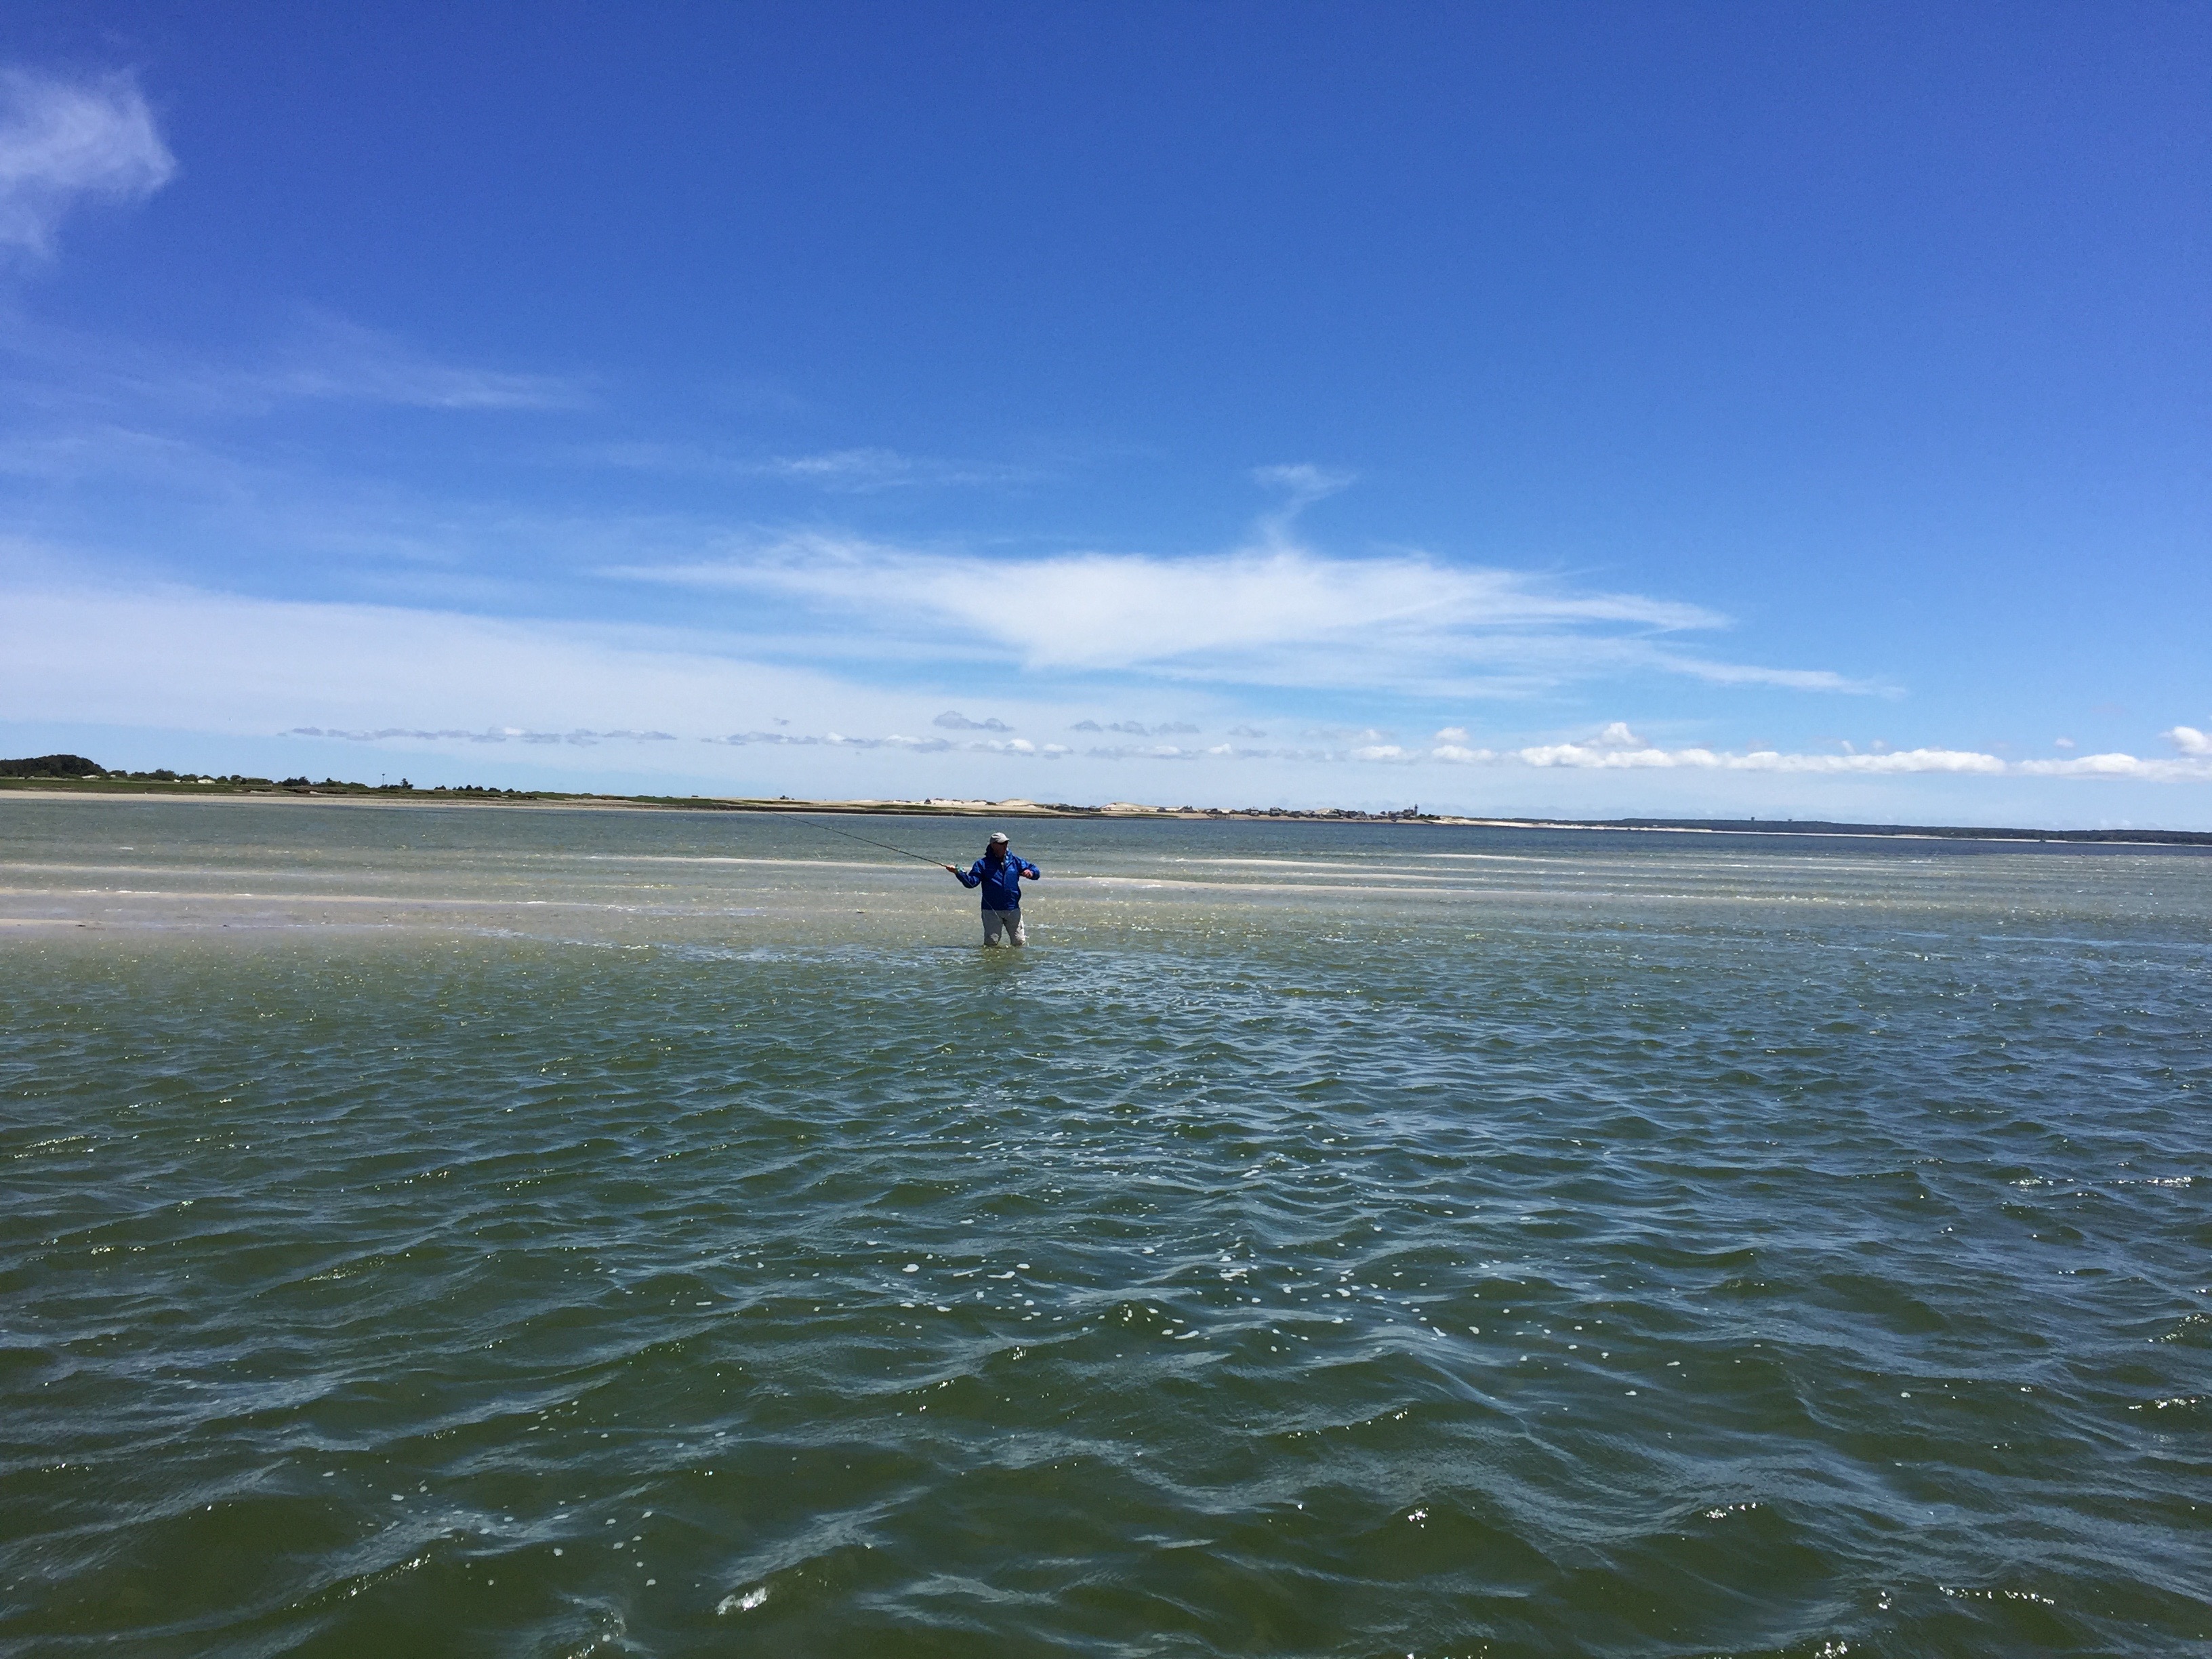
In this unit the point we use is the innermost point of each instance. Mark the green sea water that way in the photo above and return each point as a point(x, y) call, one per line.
point(533, 1232)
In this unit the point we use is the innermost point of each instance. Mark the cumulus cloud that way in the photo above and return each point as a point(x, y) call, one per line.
point(65, 140)
point(1616, 748)
point(2115, 766)
point(1164, 752)
point(1614, 756)
point(953, 721)
point(1138, 728)
point(915, 745)
point(834, 740)
point(2188, 739)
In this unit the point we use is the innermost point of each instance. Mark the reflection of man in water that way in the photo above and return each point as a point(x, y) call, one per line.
point(1000, 875)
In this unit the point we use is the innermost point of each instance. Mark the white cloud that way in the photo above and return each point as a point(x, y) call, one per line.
point(64, 141)
point(1139, 729)
point(1269, 614)
point(103, 396)
point(867, 469)
point(953, 721)
point(214, 662)
point(1611, 757)
point(861, 469)
point(2188, 739)
point(333, 358)
point(1163, 751)
point(1302, 486)
point(1272, 615)
point(1615, 749)
point(2115, 766)
point(1789, 680)
point(582, 737)
point(871, 465)
point(1618, 749)
point(896, 740)
point(833, 739)
point(190, 660)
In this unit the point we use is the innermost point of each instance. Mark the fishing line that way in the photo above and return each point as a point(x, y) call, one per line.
point(886, 845)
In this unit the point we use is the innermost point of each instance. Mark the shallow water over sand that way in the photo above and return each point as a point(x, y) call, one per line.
point(515, 1231)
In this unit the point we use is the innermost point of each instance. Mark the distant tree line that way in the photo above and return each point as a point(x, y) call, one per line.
point(52, 766)
point(78, 768)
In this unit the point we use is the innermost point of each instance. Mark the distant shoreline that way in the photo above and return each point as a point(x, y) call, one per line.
point(363, 795)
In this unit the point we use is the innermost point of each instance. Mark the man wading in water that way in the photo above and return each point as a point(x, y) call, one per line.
point(999, 874)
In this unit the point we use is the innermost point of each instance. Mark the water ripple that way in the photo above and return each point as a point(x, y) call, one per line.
point(568, 1233)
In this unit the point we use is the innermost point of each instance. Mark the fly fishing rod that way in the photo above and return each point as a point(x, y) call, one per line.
point(886, 845)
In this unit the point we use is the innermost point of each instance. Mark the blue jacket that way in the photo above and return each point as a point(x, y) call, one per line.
point(1000, 880)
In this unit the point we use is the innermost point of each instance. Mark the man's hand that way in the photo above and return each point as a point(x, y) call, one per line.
point(948, 869)
point(1030, 872)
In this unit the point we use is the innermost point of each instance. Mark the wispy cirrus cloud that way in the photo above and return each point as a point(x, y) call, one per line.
point(862, 470)
point(581, 737)
point(1738, 674)
point(148, 655)
point(1302, 484)
point(414, 679)
point(1275, 614)
point(65, 140)
point(330, 357)
point(93, 401)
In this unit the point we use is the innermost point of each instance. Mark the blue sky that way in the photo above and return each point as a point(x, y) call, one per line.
point(1561, 409)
